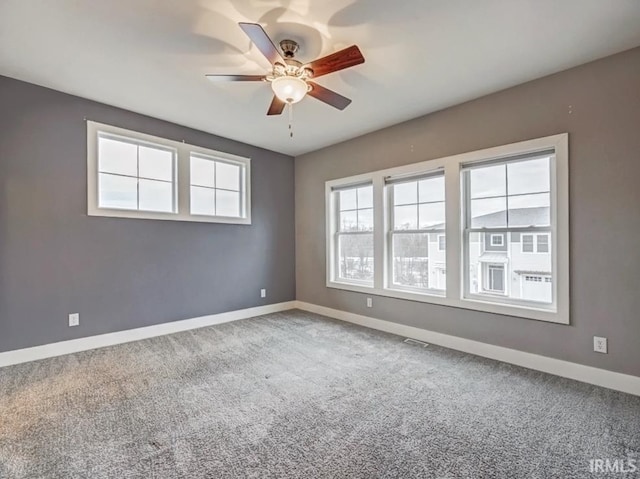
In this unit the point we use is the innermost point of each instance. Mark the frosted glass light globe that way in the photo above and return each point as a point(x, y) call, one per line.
point(289, 89)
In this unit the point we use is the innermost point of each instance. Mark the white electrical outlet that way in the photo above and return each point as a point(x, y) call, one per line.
point(74, 319)
point(600, 344)
point(263, 293)
point(369, 303)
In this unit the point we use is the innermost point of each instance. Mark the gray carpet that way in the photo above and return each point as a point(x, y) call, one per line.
point(298, 395)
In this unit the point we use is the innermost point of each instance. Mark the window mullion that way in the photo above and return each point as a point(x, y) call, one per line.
point(453, 229)
point(379, 232)
point(183, 183)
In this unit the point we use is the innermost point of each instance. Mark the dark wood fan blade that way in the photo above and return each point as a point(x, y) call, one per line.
point(328, 96)
point(235, 77)
point(277, 106)
point(346, 58)
point(260, 38)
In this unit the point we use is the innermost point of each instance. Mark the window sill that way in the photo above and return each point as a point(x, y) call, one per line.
point(474, 304)
point(150, 215)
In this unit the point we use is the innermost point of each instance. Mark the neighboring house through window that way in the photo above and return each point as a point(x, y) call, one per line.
point(459, 231)
point(495, 278)
point(497, 240)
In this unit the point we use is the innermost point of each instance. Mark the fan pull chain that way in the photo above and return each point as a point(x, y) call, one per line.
point(291, 120)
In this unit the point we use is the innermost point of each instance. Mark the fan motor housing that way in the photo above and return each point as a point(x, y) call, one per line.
point(289, 48)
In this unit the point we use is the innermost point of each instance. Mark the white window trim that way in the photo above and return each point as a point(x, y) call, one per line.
point(183, 184)
point(452, 166)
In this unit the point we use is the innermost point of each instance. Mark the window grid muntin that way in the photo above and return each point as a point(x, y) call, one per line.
point(138, 143)
point(429, 230)
point(239, 191)
point(467, 229)
point(505, 162)
point(339, 233)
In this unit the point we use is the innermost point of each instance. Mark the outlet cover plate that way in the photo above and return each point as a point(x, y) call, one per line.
point(74, 319)
point(600, 344)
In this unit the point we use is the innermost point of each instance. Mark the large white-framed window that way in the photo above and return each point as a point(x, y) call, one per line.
point(353, 236)
point(508, 198)
point(135, 175)
point(416, 230)
point(497, 206)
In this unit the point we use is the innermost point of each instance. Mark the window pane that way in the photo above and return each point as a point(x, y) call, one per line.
point(502, 273)
point(431, 215)
point(411, 260)
point(527, 244)
point(156, 196)
point(227, 203)
point(405, 193)
point(156, 164)
point(227, 176)
point(202, 172)
point(365, 197)
point(117, 157)
point(489, 213)
point(496, 278)
point(365, 219)
point(355, 256)
point(348, 221)
point(531, 176)
point(488, 181)
point(431, 189)
point(118, 192)
point(530, 210)
point(543, 244)
point(202, 201)
point(348, 199)
point(405, 217)
point(442, 242)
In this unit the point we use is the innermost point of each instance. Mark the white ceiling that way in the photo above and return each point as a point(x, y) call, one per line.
point(150, 56)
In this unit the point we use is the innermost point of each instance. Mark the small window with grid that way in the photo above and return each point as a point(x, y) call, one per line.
point(134, 175)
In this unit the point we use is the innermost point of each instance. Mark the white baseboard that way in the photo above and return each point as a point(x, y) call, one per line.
point(588, 374)
point(93, 342)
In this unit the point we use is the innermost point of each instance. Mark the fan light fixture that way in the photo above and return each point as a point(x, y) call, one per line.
point(289, 89)
point(290, 79)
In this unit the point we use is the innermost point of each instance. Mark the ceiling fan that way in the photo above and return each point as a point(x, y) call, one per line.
point(290, 79)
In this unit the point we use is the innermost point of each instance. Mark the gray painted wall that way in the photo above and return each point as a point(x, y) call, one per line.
point(598, 104)
point(121, 273)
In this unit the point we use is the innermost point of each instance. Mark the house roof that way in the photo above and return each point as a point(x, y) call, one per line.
point(517, 216)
